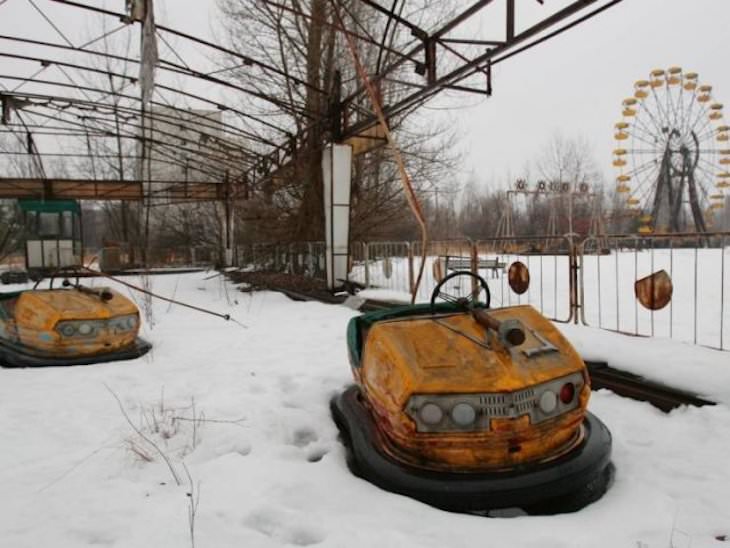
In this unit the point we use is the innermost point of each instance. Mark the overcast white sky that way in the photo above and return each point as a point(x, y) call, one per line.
point(573, 84)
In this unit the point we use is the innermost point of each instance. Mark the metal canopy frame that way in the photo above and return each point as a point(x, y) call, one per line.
point(78, 95)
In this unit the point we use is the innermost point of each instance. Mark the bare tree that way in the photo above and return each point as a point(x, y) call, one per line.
point(302, 40)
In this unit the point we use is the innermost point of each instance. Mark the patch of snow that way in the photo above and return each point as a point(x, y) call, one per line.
point(267, 463)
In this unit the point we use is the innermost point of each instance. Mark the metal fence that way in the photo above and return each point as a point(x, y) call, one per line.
point(590, 281)
point(303, 258)
point(698, 310)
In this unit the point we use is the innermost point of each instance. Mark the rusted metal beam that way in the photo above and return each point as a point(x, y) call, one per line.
point(89, 189)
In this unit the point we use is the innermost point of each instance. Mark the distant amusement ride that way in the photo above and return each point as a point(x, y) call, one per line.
point(672, 153)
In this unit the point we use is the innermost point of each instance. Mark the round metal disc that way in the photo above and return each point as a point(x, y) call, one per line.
point(654, 291)
point(519, 277)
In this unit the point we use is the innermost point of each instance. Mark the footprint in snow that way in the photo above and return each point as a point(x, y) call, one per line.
point(304, 436)
point(287, 526)
point(316, 454)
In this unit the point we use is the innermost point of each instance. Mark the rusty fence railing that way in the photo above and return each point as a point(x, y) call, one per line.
point(592, 281)
point(688, 273)
point(303, 258)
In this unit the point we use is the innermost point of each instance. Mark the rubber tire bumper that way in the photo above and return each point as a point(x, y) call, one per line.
point(564, 484)
point(12, 355)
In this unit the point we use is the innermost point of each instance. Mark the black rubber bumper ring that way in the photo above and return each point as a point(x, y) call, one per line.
point(587, 467)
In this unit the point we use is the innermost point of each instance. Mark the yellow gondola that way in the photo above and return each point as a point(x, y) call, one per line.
point(645, 229)
point(629, 112)
point(622, 189)
point(623, 178)
point(619, 162)
point(716, 115)
point(722, 138)
point(657, 73)
point(723, 184)
point(633, 201)
point(621, 136)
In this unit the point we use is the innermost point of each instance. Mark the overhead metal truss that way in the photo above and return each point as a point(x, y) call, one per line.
point(76, 109)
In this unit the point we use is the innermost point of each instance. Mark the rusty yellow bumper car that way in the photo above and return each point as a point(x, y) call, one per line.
point(471, 409)
point(74, 325)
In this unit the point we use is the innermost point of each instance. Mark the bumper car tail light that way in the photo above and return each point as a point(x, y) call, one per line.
point(567, 392)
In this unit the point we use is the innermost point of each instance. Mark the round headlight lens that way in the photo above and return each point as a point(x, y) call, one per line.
point(431, 414)
point(463, 414)
point(131, 322)
point(85, 329)
point(67, 330)
point(548, 401)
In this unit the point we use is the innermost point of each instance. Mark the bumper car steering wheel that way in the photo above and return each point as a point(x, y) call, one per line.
point(467, 302)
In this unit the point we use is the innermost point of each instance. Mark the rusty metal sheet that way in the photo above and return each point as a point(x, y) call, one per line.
point(654, 291)
point(518, 276)
point(438, 269)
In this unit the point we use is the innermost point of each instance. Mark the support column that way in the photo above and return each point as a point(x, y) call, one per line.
point(337, 171)
point(229, 225)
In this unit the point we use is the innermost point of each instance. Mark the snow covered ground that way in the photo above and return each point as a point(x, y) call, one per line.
point(245, 411)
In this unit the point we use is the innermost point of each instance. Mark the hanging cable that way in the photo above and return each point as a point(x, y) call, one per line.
point(226, 317)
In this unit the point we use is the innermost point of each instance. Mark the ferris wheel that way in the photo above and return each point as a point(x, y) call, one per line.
point(672, 153)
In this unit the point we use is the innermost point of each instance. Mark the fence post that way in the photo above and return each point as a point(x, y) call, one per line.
point(573, 280)
point(411, 281)
point(366, 258)
point(474, 266)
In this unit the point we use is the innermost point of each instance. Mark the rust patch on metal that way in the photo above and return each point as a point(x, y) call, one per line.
point(387, 268)
point(438, 269)
point(654, 291)
point(519, 277)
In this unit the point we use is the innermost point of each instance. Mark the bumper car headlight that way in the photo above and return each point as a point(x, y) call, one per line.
point(78, 328)
point(67, 329)
point(463, 414)
point(121, 324)
point(431, 414)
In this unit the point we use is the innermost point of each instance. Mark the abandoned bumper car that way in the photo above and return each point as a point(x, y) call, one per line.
point(73, 325)
point(471, 409)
